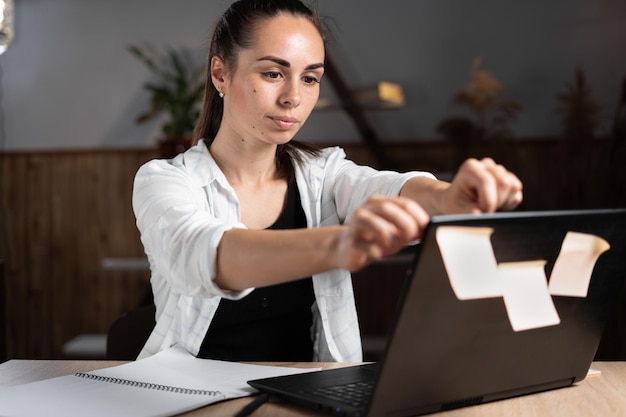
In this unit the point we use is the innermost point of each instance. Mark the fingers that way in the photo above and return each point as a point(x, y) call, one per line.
point(383, 225)
point(505, 186)
point(485, 186)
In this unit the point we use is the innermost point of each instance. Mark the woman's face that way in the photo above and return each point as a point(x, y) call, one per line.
point(276, 84)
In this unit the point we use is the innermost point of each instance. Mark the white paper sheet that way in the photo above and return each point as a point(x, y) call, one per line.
point(71, 395)
point(526, 297)
point(573, 268)
point(470, 262)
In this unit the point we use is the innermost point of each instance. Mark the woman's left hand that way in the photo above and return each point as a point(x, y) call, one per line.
point(482, 186)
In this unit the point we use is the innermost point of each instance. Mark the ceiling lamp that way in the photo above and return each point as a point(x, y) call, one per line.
point(381, 96)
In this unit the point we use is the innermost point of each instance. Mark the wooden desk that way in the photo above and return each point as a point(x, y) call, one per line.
point(598, 395)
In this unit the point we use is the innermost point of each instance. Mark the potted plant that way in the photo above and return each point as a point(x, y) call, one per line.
point(178, 93)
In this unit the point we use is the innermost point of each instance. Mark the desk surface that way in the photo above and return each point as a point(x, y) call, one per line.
point(598, 395)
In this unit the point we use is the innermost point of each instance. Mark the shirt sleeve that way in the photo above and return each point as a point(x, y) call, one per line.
point(178, 231)
point(351, 184)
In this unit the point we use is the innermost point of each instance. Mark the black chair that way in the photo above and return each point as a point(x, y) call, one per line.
point(129, 333)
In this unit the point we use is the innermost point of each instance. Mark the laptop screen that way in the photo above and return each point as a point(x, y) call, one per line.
point(482, 315)
point(494, 306)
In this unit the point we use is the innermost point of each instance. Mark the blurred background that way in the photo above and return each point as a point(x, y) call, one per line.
point(410, 84)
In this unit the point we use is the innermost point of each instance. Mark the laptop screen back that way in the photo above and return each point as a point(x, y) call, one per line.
point(501, 305)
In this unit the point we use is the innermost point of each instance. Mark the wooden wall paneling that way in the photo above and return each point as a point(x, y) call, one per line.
point(99, 295)
point(60, 263)
point(3, 315)
point(63, 212)
point(39, 270)
point(65, 246)
point(120, 238)
point(113, 234)
point(8, 245)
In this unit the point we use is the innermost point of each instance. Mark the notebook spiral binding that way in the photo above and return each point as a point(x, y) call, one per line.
point(149, 385)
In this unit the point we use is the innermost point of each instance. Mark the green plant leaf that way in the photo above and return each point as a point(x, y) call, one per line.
point(178, 91)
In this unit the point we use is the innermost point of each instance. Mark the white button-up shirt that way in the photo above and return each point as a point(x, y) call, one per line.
point(184, 205)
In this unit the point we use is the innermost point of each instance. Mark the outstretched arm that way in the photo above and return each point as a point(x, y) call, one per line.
point(480, 186)
point(255, 258)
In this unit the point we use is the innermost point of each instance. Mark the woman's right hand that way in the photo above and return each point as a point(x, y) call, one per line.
point(381, 227)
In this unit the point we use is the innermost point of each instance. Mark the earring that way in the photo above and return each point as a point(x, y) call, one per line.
point(221, 94)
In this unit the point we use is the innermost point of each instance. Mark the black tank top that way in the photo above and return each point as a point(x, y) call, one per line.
point(271, 323)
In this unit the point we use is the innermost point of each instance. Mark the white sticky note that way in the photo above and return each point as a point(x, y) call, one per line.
point(526, 297)
point(469, 261)
point(572, 270)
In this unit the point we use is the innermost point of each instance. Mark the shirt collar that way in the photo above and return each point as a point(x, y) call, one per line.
point(199, 161)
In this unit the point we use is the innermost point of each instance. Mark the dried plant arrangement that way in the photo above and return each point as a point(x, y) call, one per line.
point(492, 113)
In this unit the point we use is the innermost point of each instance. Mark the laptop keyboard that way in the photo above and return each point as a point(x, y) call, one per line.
point(357, 394)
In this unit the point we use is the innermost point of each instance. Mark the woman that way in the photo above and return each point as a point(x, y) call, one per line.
point(227, 284)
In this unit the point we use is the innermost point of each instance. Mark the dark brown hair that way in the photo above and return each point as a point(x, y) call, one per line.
point(236, 31)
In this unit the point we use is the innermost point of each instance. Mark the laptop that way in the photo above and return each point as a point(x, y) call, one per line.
point(493, 306)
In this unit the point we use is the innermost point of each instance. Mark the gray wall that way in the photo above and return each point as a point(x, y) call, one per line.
point(68, 81)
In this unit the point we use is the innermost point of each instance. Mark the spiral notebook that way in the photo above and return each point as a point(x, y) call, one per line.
point(168, 383)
